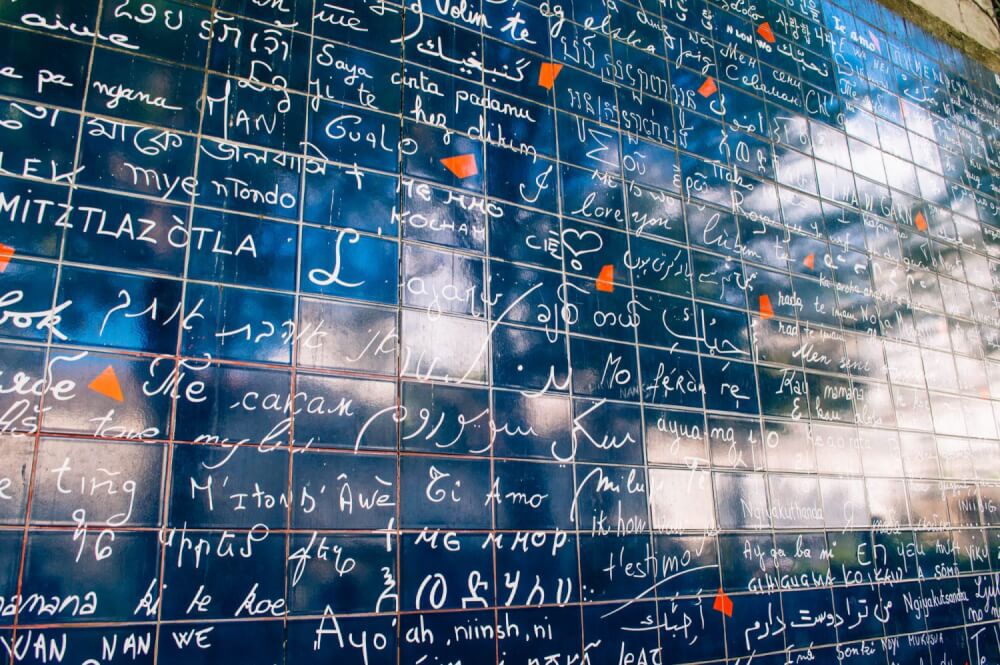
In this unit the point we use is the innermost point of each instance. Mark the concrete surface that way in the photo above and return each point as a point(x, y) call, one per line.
point(968, 25)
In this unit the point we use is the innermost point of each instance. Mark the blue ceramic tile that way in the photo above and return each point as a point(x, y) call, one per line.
point(349, 265)
point(344, 492)
point(16, 459)
point(468, 566)
point(356, 576)
point(126, 312)
point(73, 483)
point(221, 639)
point(199, 567)
point(142, 90)
point(53, 568)
point(443, 491)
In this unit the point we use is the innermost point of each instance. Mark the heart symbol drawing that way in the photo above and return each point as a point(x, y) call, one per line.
point(583, 245)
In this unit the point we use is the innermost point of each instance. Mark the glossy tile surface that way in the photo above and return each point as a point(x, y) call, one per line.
point(495, 331)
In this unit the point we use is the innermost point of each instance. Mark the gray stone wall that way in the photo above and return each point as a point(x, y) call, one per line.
point(966, 24)
point(973, 17)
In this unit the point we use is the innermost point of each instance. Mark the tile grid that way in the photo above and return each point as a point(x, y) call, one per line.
point(699, 361)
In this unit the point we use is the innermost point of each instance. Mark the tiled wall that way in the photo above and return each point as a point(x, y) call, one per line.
point(496, 331)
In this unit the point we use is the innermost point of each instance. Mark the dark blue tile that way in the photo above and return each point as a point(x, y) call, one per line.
point(53, 568)
point(350, 265)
